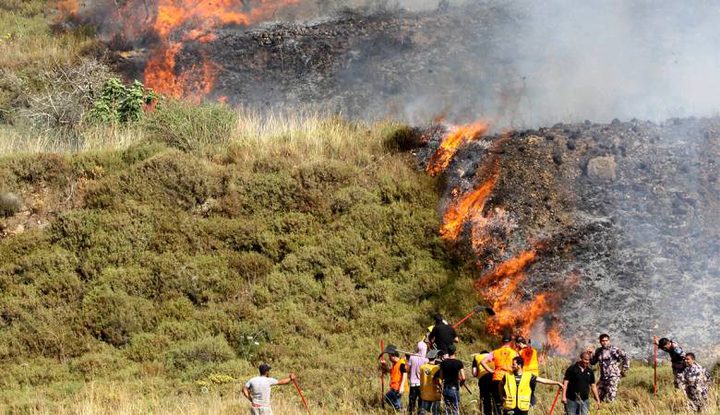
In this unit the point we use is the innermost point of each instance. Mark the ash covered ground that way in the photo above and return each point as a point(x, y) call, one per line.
point(410, 65)
point(628, 209)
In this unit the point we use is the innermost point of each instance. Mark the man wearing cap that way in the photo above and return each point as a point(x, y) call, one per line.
point(614, 362)
point(501, 358)
point(398, 379)
point(677, 356)
point(430, 387)
point(257, 390)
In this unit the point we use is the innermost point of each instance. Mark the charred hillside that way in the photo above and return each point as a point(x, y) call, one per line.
point(621, 219)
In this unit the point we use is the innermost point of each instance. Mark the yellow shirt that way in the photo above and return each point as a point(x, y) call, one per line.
point(428, 390)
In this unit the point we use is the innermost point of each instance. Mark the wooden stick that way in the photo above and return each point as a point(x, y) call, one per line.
point(301, 395)
point(382, 372)
point(655, 352)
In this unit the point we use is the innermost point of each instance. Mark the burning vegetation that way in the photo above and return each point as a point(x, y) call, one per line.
point(559, 221)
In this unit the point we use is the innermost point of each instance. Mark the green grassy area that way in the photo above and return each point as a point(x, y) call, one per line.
point(149, 267)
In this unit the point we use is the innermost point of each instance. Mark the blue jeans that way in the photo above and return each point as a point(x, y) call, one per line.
point(577, 407)
point(430, 406)
point(451, 395)
point(394, 398)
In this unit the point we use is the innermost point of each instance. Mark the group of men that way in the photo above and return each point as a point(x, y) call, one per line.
point(689, 376)
point(508, 375)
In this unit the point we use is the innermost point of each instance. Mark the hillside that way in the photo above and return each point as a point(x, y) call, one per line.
point(151, 259)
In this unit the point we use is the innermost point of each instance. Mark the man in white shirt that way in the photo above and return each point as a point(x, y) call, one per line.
point(257, 390)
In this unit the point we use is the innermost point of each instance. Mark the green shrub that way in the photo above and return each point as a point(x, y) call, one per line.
point(251, 266)
point(119, 103)
point(147, 347)
point(191, 353)
point(10, 204)
point(99, 364)
point(113, 316)
point(172, 180)
point(190, 127)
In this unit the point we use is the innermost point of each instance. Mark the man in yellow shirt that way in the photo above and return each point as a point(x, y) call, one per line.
point(430, 390)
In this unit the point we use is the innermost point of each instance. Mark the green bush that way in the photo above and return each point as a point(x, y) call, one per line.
point(190, 127)
point(191, 353)
point(10, 204)
point(119, 103)
point(114, 317)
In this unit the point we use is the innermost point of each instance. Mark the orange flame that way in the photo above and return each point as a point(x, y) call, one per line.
point(197, 17)
point(470, 205)
point(452, 142)
point(67, 8)
point(556, 341)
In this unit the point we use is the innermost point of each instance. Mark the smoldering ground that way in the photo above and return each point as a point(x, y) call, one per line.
point(648, 242)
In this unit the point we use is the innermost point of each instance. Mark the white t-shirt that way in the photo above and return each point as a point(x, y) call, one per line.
point(260, 390)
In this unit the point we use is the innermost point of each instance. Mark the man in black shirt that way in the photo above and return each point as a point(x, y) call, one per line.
point(452, 373)
point(442, 334)
point(578, 381)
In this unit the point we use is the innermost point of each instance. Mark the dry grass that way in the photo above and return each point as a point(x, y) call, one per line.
point(310, 136)
point(17, 140)
point(361, 397)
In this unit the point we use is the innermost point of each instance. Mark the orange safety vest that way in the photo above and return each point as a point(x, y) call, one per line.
point(530, 360)
point(396, 375)
point(502, 359)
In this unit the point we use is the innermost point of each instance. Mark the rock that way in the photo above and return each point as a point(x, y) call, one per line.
point(602, 168)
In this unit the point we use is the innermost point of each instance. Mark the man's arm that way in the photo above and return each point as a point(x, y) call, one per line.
point(461, 376)
point(596, 395)
point(246, 393)
point(564, 389)
point(485, 361)
point(287, 380)
point(544, 381)
point(402, 382)
point(474, 369)
point(625, 360)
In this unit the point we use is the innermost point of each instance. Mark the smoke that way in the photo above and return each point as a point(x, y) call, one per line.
point(601, 60)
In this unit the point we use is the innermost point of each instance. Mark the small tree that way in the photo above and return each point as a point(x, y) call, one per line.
point(121, 104)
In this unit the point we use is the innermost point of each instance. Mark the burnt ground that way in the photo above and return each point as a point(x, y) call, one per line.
point(629, 208)
point(360, 65)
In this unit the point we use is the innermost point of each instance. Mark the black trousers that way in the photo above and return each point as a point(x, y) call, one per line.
point(497, 402)
point(486, 396)
point(414, 399)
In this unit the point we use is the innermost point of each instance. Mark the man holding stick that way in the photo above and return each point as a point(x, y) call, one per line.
point(257, 390)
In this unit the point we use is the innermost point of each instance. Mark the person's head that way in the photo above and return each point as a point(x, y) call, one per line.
point(506, 338)
point(394, 356)
point(440, 355)
point(585, 359)
point(604, 340)
point(421, 348)
point(438, 318)
point(665, 344)
point(689, 358)
point(432, 355)
point(451, 350)
point(264, 369)
point(517, 365)
point(520, 342)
